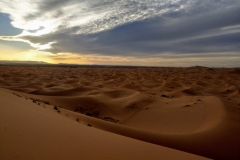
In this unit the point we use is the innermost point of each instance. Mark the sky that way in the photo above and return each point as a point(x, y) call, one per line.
point(175, 33)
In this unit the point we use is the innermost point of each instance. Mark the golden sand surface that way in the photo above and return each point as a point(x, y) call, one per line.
point(192, 110)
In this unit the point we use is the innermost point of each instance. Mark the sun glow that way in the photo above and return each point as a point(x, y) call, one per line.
point(29, 55)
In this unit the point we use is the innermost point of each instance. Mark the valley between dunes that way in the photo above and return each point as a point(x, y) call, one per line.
point(148, 113)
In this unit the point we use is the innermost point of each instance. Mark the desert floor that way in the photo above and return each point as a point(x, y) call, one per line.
point(119, 113)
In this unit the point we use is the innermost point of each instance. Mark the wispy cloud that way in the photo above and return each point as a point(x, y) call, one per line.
point(89, 16)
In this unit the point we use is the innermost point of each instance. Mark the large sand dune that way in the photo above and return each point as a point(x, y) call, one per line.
point(195, 110)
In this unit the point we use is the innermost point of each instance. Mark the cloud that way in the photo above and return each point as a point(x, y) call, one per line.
point(92, 16)
point(142, 28)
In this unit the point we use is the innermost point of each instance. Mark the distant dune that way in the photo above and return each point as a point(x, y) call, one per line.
point(56, 113)
point(5, 62)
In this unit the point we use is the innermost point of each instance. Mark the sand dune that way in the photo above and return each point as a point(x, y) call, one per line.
point(29, 131)
point(188, 109)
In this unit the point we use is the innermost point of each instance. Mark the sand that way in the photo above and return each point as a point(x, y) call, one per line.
point(119, 113)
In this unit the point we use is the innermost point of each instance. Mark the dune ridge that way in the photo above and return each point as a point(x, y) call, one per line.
point(180, 108)
point(25, 135)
